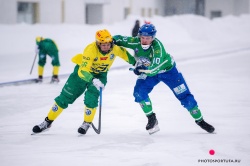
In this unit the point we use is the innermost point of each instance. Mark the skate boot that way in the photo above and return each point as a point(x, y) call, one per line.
point(152, 126)
point(39, 79)
point(204, 125)
point(54, 79)
point(84, 128)
point(43, 126)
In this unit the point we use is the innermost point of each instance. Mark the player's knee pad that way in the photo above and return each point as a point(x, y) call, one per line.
point(42, 60)
point(55, 63)
point(188, 101)
point(63, 100)
point(140, 96)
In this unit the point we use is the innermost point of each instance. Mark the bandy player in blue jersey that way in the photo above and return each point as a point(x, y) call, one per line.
point(155, 65)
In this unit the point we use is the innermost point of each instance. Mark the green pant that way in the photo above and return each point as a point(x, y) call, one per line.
point(54, 56)
point(75, 87)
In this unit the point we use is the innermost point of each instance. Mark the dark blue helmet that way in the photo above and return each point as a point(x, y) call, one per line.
point(147, 30)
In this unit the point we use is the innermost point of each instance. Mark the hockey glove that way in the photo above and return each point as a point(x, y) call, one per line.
point(98, 84)
point(136, 70)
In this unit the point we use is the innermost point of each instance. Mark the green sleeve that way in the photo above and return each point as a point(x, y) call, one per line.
point(125, 41)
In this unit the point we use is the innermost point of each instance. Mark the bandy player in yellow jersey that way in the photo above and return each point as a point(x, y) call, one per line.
point(89, 75)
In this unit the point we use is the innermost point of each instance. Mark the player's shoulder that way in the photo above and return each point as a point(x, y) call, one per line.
point(117, 48)
point(91, 47)
point(47, 40)
point(156, 40)
point(157, 43)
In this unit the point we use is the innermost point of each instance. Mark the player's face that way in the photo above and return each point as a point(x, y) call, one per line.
point(105, 47)
point(146, 40)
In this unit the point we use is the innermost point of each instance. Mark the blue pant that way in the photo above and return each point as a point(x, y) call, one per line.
point(173, 79)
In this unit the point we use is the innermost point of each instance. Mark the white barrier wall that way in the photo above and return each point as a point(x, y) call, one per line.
point(227, 7)
point(8, 11)
point(74, 11)
point(50, 11)
point(107, 11)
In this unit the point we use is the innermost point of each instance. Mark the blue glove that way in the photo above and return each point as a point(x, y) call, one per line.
point(136, 70)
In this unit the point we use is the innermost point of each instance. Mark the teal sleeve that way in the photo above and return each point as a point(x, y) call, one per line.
point(124, 41)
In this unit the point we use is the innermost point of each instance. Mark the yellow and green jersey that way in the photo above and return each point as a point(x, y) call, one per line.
point(92, 61)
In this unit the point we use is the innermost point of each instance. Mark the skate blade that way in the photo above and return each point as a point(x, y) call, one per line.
point(81, 135)
point(154, 130)
point(40, 132)
point(54, 82)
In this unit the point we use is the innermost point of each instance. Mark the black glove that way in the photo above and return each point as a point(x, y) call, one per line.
point(136, 70)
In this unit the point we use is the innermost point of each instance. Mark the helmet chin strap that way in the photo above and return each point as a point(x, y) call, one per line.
point(145, 47)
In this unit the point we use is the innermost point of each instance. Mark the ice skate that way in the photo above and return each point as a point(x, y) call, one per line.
point(84, 128)
point(152, 126)
point(204, 125)
point(43, 126)
point(54, 79)
point(39, 79)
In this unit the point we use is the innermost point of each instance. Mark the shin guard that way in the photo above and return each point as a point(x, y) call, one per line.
point(146, 106)
point(55, 70)
point(89, 114)
point(196, 113)
point(40, 70)
point(54, 112)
